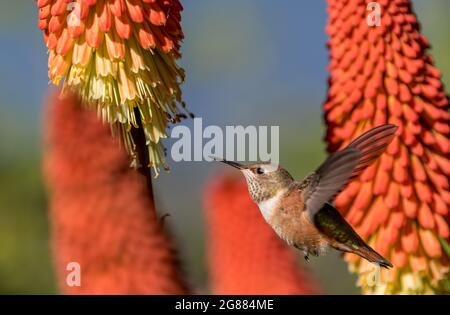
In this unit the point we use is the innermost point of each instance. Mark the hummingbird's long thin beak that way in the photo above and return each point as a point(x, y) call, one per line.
point(237, 165)
point(234, 164)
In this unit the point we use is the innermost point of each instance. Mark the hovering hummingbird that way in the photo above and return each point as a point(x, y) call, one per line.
point(301, 213)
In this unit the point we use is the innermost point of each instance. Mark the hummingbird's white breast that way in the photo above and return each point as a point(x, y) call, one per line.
point(268, 206)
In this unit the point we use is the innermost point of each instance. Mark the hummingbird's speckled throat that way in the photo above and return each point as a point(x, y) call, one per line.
point(263, 188)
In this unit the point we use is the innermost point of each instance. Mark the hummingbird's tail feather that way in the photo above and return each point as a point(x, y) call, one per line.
point(343, 237)
point(369, 254)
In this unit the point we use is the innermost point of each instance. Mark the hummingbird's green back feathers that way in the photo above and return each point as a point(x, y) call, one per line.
point(342, 236)
point(333, 225)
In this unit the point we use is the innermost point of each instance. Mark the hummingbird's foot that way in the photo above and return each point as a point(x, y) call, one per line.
point(306, 258)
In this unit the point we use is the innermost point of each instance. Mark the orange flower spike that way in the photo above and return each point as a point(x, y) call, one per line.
point(383, 74)
point(120, 57)
point(101, 213)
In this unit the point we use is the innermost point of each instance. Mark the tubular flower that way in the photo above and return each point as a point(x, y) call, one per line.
point(400, 205)
point(244, 254)
point(116, 238)
point(119, 56)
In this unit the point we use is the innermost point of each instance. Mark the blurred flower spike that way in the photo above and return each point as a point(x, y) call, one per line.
point(400, 205)
point(119, 56)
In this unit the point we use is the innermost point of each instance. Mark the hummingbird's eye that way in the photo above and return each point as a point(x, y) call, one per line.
point(259, 170)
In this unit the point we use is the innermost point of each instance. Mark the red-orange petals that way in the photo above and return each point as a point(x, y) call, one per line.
point(244, 254)
point(383, 74)
point(101, 212)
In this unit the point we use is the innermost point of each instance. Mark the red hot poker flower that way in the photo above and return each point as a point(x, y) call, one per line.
point(400, 205)
point(119, 56)
point(101, 212)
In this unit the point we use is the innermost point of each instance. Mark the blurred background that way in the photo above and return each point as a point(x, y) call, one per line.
point(247, 62)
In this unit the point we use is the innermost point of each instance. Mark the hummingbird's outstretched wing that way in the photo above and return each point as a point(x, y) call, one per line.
point(331, 177)
point(342, 236)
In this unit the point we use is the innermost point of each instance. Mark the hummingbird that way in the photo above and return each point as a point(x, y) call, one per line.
point(302, 212)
